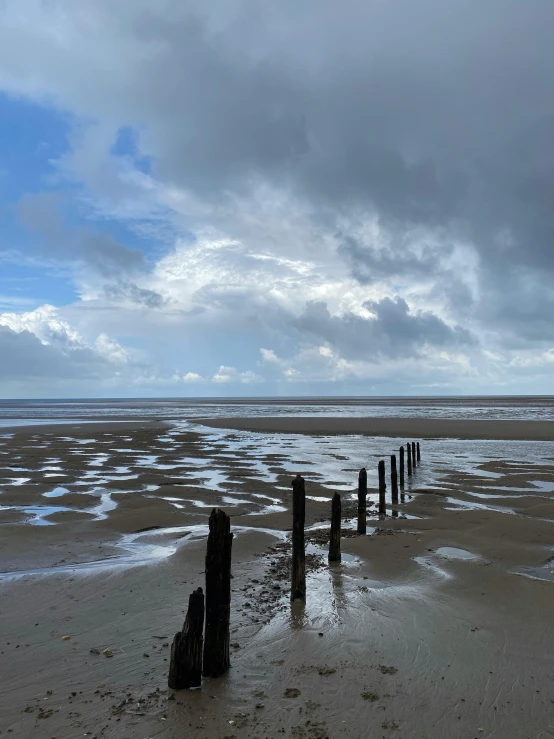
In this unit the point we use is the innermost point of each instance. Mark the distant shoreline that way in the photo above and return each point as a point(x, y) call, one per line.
point(346, 400)
point(513, 430)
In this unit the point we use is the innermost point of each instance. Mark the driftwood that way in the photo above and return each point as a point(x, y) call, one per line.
point(185, 667)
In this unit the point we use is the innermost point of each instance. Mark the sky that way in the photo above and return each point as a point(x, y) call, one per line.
point(260, 198)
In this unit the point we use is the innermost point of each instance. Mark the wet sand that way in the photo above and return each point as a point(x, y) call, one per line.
point(436, 624)
point(457, 428)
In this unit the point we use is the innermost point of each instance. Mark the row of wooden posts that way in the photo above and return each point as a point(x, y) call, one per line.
point(414, 458)
point(202, 646)
point(298, 586)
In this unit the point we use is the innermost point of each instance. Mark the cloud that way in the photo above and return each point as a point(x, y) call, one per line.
point(111, 350)
point(41, 349)
point(231, 375)
point(26, 357)
point(320, 366)
point(94, 249)
point(40, 345)
point(374, 180)
point(390, 330)
point(192, 377)
point(123, 291)
point(46, 324)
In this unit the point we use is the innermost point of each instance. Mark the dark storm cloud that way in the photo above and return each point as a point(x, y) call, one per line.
point(214, 115)
point(435, 118)
point(392, 332)
point(371, 262)
point(429, 115)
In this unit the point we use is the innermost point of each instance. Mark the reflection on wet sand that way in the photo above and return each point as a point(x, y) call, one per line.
point(250, 472)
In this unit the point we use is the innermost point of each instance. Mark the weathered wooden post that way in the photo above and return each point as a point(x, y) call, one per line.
point(382, 490)
point(413, 455)
point(298, 586)
point(418, 453)
point(393, 479)
point(218, 594)
point(409, 451)
point(185, 667)
point(334, 541)
point(401, 466)
point(362, 501)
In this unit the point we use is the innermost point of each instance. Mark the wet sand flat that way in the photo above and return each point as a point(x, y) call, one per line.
point(436, 623)
point(458, 428)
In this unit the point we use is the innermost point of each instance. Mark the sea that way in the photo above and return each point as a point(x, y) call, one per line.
point(26, 412)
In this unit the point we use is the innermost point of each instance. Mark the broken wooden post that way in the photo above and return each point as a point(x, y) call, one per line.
point(362, 501)
point(409, 450)
point(218, 594)
point(185, 667)
point(334, 541)
point(413, 455)
point(393, 479)
point(298, 586)
point(401, 466)
point(382, 490)
point(418, 453)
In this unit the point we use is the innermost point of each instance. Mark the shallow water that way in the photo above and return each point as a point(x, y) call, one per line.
point(227, 459)
point(63, 411)
point(456, 554)
point(140, 548)
point(543, 572)
point(331, 462)
point(56, 493)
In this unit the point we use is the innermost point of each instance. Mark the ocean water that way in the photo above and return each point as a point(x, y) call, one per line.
point(22, 412)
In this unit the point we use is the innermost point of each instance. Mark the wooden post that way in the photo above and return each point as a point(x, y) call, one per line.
point(334, 541)
point(382, 490)
point(409, 450)
point(418, 453)
point(218, 594)
point(393, 478)
point(298, 586)
point(362, 501)
point(185, 667)
point(413, 455)
point(401, 466)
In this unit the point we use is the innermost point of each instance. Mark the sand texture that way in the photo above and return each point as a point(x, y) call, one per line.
point(445, 428)
point(437, 623)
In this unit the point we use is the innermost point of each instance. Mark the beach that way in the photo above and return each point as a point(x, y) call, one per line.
point(446, 428)
point(436, 623)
